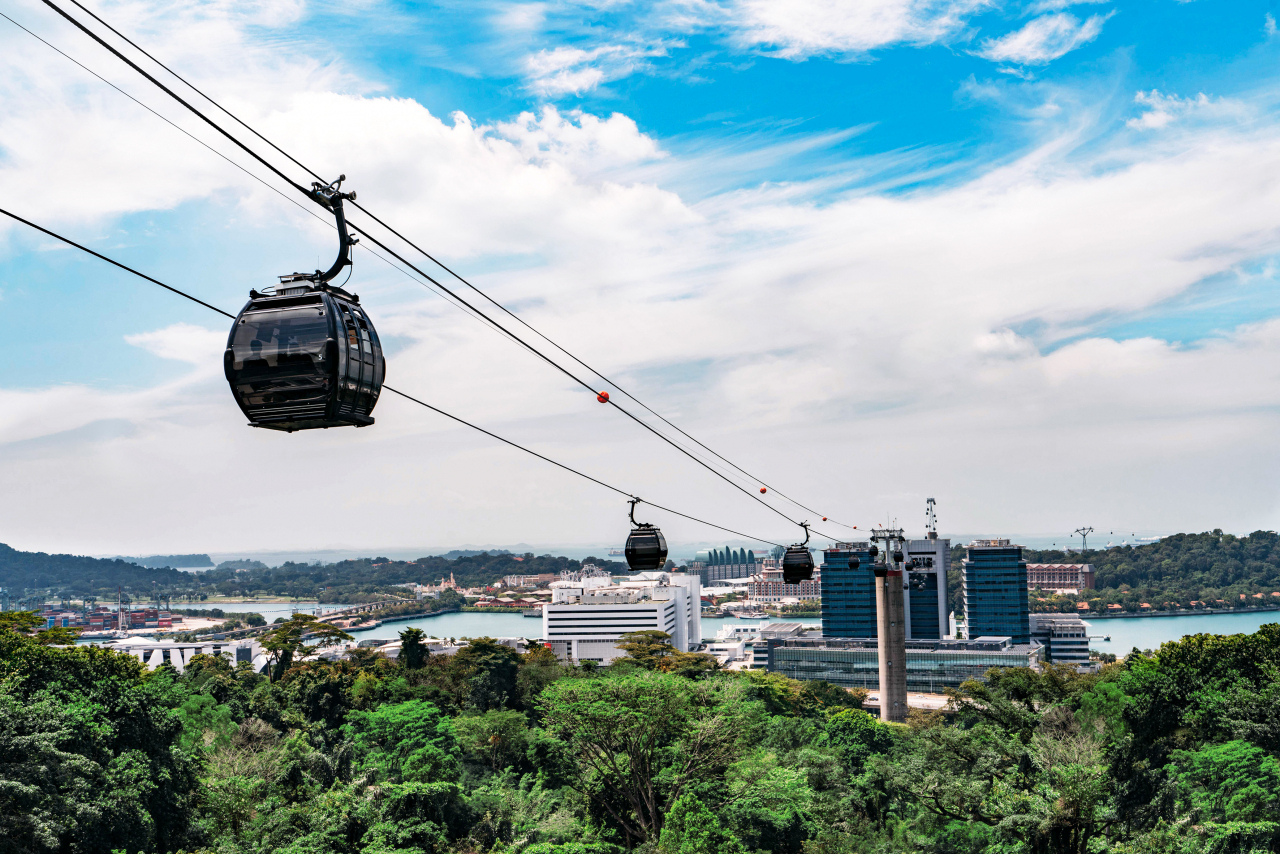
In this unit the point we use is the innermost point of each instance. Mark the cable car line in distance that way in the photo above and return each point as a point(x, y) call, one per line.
point(435, 409)
point(603, 396)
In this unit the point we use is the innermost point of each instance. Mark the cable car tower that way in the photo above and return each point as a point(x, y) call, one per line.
point(891, 626)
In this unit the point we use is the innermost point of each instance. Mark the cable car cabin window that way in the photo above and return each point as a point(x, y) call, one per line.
point(291, 337)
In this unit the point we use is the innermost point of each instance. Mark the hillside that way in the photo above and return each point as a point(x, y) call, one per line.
point(79, 576)
point(1212, 567)
point(348, 580)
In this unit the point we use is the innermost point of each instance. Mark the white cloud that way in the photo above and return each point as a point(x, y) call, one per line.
point(184, 342)
point(803, 28)
point(793, 30)
point(1269, 25)
point(1044, 39)
point(883, 335)
point(570, 70)
point(1162, 110)
point(1059, 5)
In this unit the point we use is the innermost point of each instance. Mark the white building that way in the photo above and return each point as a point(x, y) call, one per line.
point(586, 619)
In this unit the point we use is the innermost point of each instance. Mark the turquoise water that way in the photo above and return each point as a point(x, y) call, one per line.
point(1150, 632)
point(1125, 633)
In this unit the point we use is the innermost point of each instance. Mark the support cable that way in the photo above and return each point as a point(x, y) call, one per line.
point(435, 409)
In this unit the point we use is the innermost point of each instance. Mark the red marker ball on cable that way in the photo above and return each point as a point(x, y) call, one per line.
point(763, 490)
point(603, 397)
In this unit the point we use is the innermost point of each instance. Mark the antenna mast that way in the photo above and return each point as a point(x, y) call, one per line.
point(930, 519)
point(1084, 537)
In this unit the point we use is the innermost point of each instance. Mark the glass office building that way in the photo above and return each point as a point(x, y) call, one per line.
point(932, 665)
point(848, 595)
point(927, 602)
point(924, 615)
point(995, 591)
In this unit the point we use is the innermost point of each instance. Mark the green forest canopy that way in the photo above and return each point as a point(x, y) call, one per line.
point(498, 752)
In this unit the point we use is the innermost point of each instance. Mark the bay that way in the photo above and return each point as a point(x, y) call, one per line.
point(1149, 632)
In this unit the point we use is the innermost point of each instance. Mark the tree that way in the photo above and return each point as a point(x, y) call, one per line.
point(691, 828)
point(288, 641)
point(27, 623)
point(499, 736)
point(413, 651)
point(628, 731)
point(649, 647)
point(89, 755)
point(490, 669)
point(409, 741)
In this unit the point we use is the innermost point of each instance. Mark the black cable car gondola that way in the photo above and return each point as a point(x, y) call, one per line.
point(797, 562)
point(307, 355)
point(646, 548)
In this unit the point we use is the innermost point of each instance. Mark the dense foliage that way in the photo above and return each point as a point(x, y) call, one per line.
point(360, 580)
point(493, 751)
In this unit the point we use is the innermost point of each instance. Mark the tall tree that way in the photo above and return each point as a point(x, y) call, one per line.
point(297, 637)
point(647, 736)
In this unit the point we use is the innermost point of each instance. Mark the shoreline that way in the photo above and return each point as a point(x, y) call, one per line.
point(1208, 612)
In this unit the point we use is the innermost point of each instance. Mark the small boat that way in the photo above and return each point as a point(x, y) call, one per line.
point(532, 612)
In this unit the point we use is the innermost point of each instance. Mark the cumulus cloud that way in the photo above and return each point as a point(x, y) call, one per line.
point(1044, 39)
point(908, 338)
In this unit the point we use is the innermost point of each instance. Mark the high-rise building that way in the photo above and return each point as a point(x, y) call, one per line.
point(995, 591)
point(926, 588)
point(848, 596)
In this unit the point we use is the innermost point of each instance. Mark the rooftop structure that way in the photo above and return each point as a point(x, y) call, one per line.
point(585, 622)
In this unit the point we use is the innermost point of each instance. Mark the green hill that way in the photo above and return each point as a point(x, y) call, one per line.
point(76, 576)
point(1212, 567)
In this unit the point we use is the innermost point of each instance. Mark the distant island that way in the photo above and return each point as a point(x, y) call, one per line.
point(347, 581)
point(174, 561)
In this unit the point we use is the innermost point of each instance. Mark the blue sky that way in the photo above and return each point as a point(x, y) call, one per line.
point(824, 234)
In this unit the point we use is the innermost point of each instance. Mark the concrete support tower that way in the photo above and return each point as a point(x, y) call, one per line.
point(891, 626)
